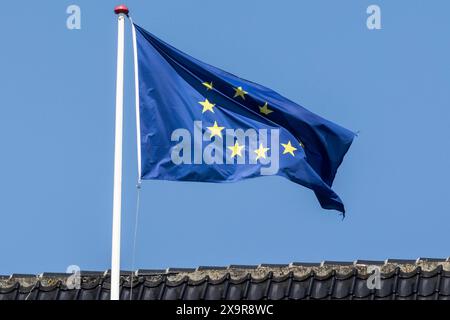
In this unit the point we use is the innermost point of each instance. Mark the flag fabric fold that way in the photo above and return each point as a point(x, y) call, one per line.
point(200, 123)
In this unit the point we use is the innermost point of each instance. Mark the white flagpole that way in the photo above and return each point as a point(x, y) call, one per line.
point(121, 11)
point(136, 87)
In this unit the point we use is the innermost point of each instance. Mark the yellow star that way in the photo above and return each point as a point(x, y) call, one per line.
point(236, 150)
point(261, 152)
point(265, 110)
point(288, 148)
point(208, 85)
point(207, 106)
point(215, 130)
point(240, 93)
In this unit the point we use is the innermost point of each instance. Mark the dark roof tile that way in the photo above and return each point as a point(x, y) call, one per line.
point(443, 286)
point(425, 279)
point(150, 272)
point(94, 273)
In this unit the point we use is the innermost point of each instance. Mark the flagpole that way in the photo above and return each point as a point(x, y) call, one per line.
point(122, 12)
point(136, 95)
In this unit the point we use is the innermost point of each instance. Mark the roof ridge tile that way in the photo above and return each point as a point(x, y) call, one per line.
point(305, 264)
point(180, 270)
point(336, 263)
point(242, 266)
point(206, 268)
point(369, 262)
point(401, 261)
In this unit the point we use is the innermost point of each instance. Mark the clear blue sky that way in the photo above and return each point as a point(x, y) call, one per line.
point(57, 134)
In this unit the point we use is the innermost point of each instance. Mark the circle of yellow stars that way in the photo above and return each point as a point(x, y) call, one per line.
point(236, 150)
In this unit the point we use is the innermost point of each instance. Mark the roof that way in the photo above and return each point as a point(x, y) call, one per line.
point(421, 279)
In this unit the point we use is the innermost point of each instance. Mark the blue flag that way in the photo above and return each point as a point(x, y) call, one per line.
point(200, 123)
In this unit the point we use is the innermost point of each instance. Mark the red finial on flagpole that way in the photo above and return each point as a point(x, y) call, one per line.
point(121, 9)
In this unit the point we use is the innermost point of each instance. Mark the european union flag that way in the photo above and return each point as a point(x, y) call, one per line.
point(200, 123)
